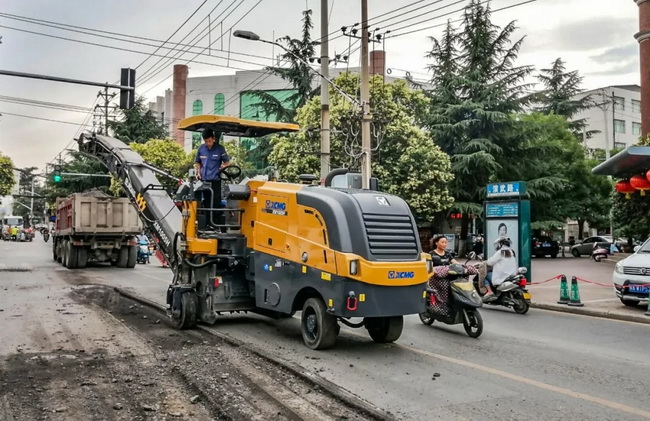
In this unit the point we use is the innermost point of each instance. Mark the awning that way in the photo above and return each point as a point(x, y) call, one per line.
point(233, 126)
point(631, 161)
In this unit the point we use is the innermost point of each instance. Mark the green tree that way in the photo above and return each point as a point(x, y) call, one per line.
point(69, 184)
point(27, 176)
point(404, 159)
point(138, 125)
point(7, 181)
point(478, 93)
point(167, 155)
point(559, 95)
point(630, 216)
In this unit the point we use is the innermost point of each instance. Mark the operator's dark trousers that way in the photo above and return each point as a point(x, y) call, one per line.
point(211, 200)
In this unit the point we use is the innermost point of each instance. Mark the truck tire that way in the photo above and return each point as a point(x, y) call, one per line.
point(122, 257)
point(82, 257)
point(71, 256)
point(132, 257)
point(63, 257)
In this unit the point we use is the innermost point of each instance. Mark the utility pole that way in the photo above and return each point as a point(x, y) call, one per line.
point(365, 100)
point(324, 94)
point(107, 100)
point(613, 120)
point(604, 106)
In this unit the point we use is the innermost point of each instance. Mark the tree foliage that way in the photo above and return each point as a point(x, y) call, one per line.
point(166, 155)
point(404, 159)
point(7, 181)
point(559, 96)
point(138, 125)
point(80, 164)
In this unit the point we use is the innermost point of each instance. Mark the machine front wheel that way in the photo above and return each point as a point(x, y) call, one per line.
point(385, 329)
point(188, 311)
point(319, 329)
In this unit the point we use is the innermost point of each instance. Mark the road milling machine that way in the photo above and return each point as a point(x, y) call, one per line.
point(276, 248)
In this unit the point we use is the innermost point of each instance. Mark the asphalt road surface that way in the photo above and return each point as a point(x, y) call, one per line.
point(539, 366)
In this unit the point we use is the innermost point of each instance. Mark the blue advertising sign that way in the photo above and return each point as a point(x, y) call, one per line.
point(509, 189)
point(502, 210)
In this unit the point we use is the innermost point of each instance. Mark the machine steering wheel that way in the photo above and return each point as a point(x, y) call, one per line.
point(229, 173)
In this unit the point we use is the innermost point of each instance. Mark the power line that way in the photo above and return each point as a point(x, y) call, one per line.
point(39, 118)
point(44, 104)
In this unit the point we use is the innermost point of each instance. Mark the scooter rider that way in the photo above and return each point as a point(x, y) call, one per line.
point(439, 253)
point(503, 263)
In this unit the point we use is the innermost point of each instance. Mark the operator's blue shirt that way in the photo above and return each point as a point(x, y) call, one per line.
point(211, 160)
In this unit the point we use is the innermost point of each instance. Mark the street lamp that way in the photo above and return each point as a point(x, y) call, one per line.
point(252, 36)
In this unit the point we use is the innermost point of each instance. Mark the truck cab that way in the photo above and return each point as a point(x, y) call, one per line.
point(8, 225)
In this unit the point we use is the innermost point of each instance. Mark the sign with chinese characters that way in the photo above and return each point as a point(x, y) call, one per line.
point(509, 189)
point(502, 210)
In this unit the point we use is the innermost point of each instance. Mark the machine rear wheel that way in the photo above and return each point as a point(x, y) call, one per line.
point(475, 326)
point(384, 329)
point(319, 329)
point(426, 318)
point(189, 310)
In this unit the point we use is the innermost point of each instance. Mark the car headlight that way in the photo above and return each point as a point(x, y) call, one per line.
point(618, 268)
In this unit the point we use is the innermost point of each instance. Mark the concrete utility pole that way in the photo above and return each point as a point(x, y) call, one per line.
point(643, 37)
point(605, 106)
point(324, 94)
point(365, 100)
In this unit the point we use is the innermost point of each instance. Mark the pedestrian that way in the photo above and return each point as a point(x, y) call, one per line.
point(210, 159)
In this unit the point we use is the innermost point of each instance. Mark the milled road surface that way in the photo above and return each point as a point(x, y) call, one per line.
point(539, 366)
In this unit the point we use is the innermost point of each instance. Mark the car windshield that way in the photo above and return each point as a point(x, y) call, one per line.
point(645, 248)
point(14, 221)
point(608, 239)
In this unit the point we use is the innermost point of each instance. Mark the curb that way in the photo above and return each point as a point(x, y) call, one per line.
point(593, 313)
point(21, 268)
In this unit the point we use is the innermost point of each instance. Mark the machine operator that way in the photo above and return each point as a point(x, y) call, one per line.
point(210, 159)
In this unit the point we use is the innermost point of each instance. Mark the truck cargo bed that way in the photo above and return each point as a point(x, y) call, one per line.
point(100, 216)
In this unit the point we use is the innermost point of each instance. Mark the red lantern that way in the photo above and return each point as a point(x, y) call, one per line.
point(641, 183)
point(648, 175)
point(626, 188)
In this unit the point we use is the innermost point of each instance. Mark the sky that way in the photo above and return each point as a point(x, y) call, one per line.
point(591, 36)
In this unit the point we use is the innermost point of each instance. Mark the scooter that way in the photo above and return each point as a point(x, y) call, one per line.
point(511, 293)
point(143, 251)
point(46, 235)
point(599, 253)
point(452, 299)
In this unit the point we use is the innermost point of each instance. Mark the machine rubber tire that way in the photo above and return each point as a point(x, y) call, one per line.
point(132, 257)
point(71, 256)
point(122, 257)
point(189, 311)
point(630, 303)
point(426, 318)
point(475, 326)
point(319, 329)
point(385, 329)
point(82, 257)
point(521, 307)
point(575, 253)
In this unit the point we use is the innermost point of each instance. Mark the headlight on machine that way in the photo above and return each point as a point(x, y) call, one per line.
point(618, 268)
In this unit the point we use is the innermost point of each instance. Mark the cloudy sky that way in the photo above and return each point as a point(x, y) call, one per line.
point(592, 36)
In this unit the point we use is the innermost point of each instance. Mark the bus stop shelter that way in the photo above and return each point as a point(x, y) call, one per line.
point(633, 160)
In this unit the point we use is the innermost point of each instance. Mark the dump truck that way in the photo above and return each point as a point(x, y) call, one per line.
point(95, 227)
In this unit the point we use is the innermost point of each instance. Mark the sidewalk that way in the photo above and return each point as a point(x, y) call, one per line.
point(598, 300)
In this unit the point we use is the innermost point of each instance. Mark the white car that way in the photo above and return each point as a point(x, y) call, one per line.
point(632, 276)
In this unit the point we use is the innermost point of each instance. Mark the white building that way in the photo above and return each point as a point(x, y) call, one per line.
point(617, 117)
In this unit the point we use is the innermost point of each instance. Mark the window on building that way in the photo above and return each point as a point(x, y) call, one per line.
point(197, 107)
point(619, 145)
point(636, 106)
point(636, 129)
point(619, 103)
point(619, 126)
point(219, 104)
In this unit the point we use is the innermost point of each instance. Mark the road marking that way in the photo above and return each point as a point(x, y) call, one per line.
point(530, 382)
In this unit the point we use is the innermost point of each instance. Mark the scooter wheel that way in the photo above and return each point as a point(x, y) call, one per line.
point(473, 323)
point(426, 318)
point(521, 306)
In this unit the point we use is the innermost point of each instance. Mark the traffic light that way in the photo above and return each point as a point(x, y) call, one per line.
point(56, 174)
point(127, 96)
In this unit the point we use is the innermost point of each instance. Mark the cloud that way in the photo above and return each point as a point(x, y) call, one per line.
point(622, 69)
point(618, 54)
point(585, 35)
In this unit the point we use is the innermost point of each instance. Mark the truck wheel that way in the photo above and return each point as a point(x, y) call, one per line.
point(82, 257)
point(319, 329)
point(70, 256)
point(384, 329)
point(122, 257)
point(64, 255)
point(132, 257)
point(189, 310)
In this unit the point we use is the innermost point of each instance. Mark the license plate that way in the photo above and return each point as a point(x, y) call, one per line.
point(546, 245)
point(639, 289)
point(526, 295)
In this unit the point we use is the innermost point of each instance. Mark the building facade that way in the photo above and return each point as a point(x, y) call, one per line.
point(616, 118)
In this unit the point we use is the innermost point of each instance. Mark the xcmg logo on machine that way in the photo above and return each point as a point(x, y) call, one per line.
point(276, 208)
point(400, 275)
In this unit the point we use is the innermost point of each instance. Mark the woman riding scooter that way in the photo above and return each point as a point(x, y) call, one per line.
point(503, 263)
